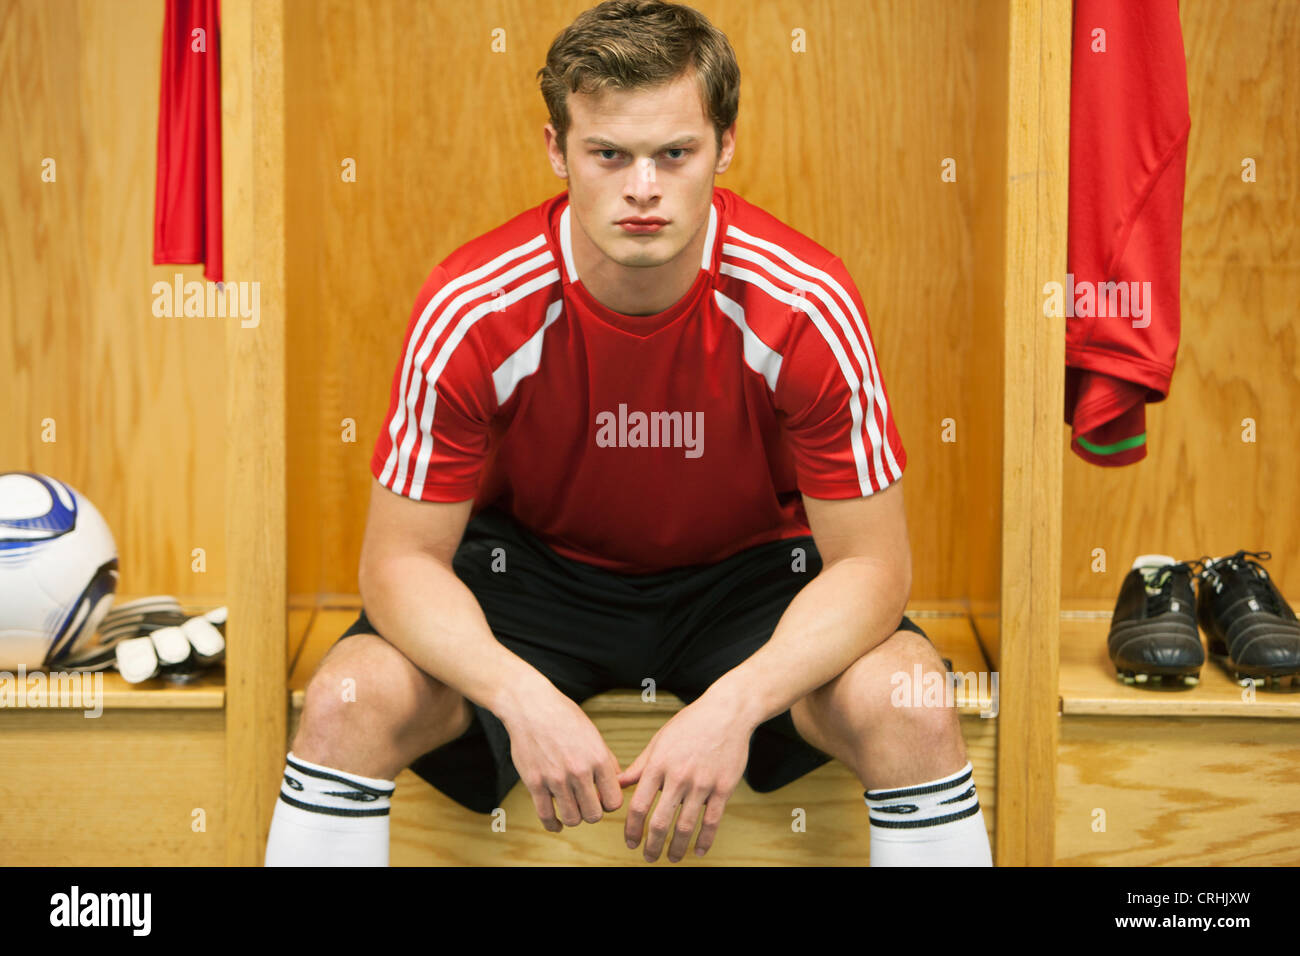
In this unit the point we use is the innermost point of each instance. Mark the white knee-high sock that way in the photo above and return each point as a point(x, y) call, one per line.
point(938, 823)
point(329, 817)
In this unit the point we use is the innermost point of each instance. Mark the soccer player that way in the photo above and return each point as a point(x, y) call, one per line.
point(638, 433)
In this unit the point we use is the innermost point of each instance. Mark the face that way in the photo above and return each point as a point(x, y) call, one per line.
point(641, 154)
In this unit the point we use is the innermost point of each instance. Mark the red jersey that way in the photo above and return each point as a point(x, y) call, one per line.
point(1129, 126)
point(641, 443)
point(187, 193)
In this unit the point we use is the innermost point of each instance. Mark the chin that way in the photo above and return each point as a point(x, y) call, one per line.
point(644, 259)
point(629, 254)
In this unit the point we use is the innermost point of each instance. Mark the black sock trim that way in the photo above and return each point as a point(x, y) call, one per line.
point(337, 779)
point(333, 811)
point(970, 792)
point(918, 791)
point(932, 822)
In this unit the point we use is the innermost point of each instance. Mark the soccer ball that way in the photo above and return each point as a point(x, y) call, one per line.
point(58, 572)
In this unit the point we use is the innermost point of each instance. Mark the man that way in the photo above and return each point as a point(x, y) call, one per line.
point(615, 422)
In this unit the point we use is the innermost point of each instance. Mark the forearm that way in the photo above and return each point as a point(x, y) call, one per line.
point(423, 609)
point(850, 607)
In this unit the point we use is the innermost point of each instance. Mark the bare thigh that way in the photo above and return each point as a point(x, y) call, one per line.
point(370, 711)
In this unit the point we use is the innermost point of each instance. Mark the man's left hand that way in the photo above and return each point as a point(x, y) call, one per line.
point(697, 759)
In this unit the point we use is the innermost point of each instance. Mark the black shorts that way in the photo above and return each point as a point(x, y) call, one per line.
point(589, 630)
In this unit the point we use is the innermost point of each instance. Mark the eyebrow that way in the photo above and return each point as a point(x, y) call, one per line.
point(686, 140)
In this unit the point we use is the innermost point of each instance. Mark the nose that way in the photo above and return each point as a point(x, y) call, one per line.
point(642, 186)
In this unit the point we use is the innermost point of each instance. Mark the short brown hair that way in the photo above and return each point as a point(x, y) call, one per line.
point(632, 44)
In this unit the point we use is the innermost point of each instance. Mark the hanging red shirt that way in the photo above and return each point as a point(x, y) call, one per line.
point(1129, 125)
point(187, 199)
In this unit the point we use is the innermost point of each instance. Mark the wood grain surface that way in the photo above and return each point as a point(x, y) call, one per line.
point(1178, 791)
point(121, 789)
point(844, 142)
point(1204, 488)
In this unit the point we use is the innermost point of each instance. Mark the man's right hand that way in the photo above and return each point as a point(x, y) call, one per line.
point(563, 760)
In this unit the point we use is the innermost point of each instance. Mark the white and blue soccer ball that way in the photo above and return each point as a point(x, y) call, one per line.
point(58, 572)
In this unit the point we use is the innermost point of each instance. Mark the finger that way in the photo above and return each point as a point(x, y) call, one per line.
point(661, 820)
point(712, 817)
point(633, 773)
point(588, 800)
point(639, 807)
point(692, 806)
point(545, 811)
point(611, 795)
point(566, 808)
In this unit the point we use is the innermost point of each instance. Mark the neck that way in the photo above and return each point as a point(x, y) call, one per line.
point(636, 290)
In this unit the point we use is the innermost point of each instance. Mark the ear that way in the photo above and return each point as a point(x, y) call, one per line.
point(728, 149)
point(559, 163)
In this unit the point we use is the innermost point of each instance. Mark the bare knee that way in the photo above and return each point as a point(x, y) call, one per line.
point(370, 711)
point(894, 698)
point(909, 691)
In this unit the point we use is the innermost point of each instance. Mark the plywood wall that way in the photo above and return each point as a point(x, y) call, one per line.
point(844, 142)
point(446, 135)
point(136, 402)
point(1202, 489)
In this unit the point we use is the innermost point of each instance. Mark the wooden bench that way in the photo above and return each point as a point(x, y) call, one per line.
point(429, 828)
point(141, 784)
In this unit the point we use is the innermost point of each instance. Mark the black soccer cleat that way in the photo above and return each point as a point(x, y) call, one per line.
point(1153, 637)
point(1251, 630)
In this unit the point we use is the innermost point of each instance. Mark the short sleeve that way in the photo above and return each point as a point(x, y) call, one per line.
point(839, 422)
point(434, 440)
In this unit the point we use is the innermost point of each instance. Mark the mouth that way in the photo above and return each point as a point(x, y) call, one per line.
point(647, 225)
